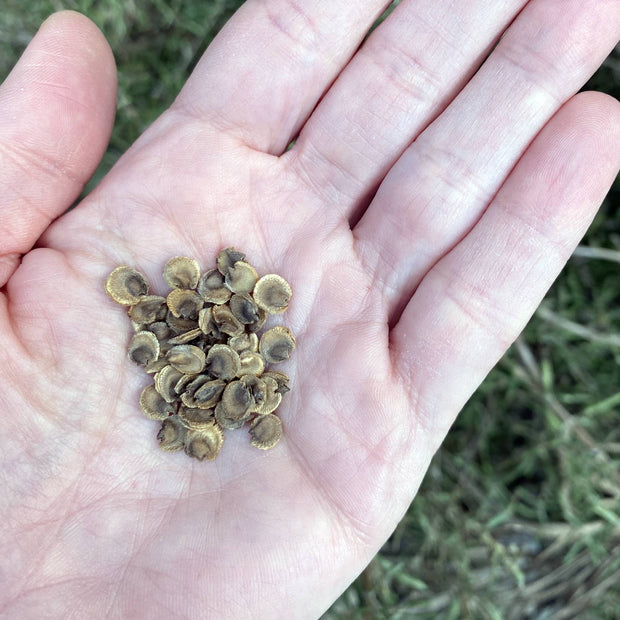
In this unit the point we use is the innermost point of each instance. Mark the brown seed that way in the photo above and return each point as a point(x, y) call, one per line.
point(241, 277)
point(277, 344)
point(182, 272)
point(165, 382)
point(226, 320)
point(143, 348)
point(184, 303)
point(236, 400)
point(243, 342)
point(271, 398)
point(179, 325)
point(244, 308)
point(126, 285)
point(203, 392)
point(153, 405)
point(156, 365)
point(227, 259)
point(272, 293)
point(172, 434)
point(229, 423)
point(161, 329)
point(212, 289)
point(281, 378)
point(186, 337)
point(223, 362)
point(195, 419)
point(149, 309)
point(251, 363)
point(266, 431)
point(186, 358)
point(204, 443)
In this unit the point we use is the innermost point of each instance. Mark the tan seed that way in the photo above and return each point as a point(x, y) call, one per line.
point(153, 405)
point(182, 272)
point(187, 358)
point(126, 285)
point(204, 443)
point(172, 434)
point(272, 293)
point(266, 431)
point(277, 344)
point(143, 348)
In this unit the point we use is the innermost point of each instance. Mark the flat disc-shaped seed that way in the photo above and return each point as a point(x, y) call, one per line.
point(244, 308)
point(126, 285)
point(271, 400)
point(165, 382)
point(251, 363)
point(224, 421)
point(223, 362)
point(209, 393)
point(186, 337)
point(212, 289)
point(227, 258)
point(204, 443)
point(172, 434)
point(277, 344)
point(184, 303)
point(182, 272)
point(148, 309)
point(281, 378)
point(226, 320)
point(187, 358)
point(193, 418)
point(258, 324)
point(272, 293)
point(241, 277)
point(206, 323)
point(156, 365)
point(153, 405)
point(236, 400)
point(161, 329)
point(266, 431)
point(143, 348)
point(243, 342)
point(179, 325)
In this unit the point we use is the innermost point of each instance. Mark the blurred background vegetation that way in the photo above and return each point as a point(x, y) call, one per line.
point(519, 515)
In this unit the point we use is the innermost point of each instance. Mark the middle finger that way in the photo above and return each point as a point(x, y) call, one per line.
point(402, 77)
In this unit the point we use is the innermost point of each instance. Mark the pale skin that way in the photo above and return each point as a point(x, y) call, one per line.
point(420, 217)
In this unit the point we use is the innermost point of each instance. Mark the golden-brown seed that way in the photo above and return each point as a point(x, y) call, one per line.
point(149, 309)
point(143, 348)
point(156, 365)
point(272, 293)
point(187, 358)
point(126, 285)
point(271, 400)
point(281, 378)
point(165, 382)
point(161, 329)
point(212, 289)
point(266, 431)
point(172, 434)
point(243, 342)
point(184, 303)
point(241, 277)
point(179, 325)
point(153, 405)
point(227, 259)
point(194, 419)
point(236, 400)
point(251, 363)
point(206, 323)
point(244, 308)
point(229, 423)
point(226, 320)
point(182, 272)
point(209, 393)
point(277, 344)
point(186, 337)
point(223, 362)
point(204, 443)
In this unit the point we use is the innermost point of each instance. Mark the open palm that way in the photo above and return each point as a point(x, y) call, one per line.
point(420, 216)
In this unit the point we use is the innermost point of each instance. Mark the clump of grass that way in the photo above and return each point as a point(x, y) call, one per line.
point(519, 515)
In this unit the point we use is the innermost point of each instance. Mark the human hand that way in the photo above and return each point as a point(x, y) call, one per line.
point(476, 217)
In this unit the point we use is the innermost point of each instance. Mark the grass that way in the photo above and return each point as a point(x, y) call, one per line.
point(519, 515)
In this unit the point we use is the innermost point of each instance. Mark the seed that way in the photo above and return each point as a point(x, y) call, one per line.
point(182, 272)
point(144, 348)
point(126, 285)
point(277, 344)
point(266, 431)
point(272, 293)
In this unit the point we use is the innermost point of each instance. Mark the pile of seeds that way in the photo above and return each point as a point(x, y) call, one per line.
point(201, 343)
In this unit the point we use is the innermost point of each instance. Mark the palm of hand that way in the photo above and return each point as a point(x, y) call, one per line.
point(114, 500)
point(104, 517)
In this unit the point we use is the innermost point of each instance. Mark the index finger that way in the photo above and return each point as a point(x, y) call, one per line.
point(265, 71)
